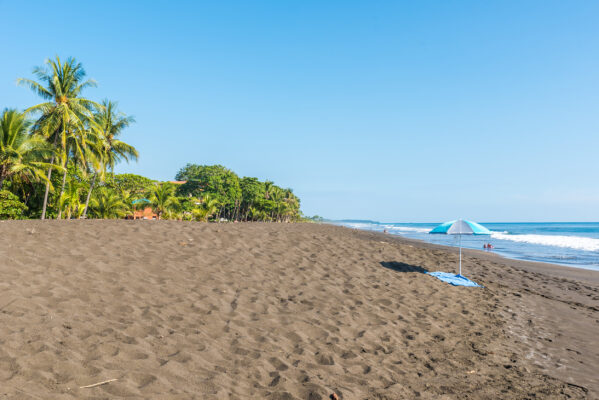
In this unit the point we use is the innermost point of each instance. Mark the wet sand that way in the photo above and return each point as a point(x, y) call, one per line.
point(179, 310)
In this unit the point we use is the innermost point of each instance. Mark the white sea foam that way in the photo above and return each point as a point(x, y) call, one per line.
point(361, 225)
point(572, 242)
point(380, 227)
point(408, 229)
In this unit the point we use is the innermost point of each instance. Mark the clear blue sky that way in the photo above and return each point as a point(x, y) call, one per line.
point(386, 110)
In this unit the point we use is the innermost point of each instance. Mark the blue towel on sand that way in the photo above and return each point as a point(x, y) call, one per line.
point(455, 280)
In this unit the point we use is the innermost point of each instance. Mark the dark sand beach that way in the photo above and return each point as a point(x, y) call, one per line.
point(177, 310)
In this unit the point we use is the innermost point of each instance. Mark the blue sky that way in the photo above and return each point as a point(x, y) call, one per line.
point(386, 110)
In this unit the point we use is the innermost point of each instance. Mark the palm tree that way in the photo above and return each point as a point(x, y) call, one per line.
point(20, 151)
point(174, 214)
point(111, 124)
point(64, 113)
point(70, 200)
point(291, 203)
point(163, 198)
point(86, 143)
point(128, 198)
point(253, 212)
point(207, 208)
point(109, 150)
point(259, 214)
point(92, 164)
point(268, 188)
point(107, 204)
point(277, 203)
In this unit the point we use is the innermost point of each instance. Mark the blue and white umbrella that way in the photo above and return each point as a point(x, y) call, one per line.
point(461, 227)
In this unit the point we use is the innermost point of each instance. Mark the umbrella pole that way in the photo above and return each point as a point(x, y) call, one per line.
point(460, 254)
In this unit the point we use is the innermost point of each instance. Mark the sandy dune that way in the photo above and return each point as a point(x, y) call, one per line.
point(176, 310)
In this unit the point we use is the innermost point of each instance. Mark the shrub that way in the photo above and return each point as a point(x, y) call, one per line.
point(10, 206)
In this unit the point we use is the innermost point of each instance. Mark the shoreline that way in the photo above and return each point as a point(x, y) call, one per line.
point(506, 254)
point(558, 270)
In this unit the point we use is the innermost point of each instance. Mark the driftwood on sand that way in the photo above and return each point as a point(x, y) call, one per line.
point(97, 384)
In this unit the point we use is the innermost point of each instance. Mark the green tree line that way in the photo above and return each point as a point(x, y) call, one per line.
point(57, 160)
point(225, 195)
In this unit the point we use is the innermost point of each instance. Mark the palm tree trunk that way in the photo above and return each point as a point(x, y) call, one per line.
point(237, 207)
point(89, 195)
point(2, 175)
point(25, 196)
point(47, 189)
point(247, 211)
point(64, 181)
point(48, 183)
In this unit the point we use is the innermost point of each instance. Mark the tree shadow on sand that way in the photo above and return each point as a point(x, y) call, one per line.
point(403, 267)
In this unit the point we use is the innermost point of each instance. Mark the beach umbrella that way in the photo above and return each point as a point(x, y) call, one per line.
point(461, 227)
point(141, 201)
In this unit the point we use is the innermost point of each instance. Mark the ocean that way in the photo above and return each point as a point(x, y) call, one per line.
point(574, 244)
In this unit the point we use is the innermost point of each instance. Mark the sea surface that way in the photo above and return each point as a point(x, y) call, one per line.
point(574, 244)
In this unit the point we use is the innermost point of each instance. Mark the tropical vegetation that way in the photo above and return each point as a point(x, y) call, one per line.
point(58, 158)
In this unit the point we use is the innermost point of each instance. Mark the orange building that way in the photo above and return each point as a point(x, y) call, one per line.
point(146, 213)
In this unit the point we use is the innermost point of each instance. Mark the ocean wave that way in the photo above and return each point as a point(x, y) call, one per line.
point(361, 225)
point(572, 242)
point(381, 227)
point(408, 229)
